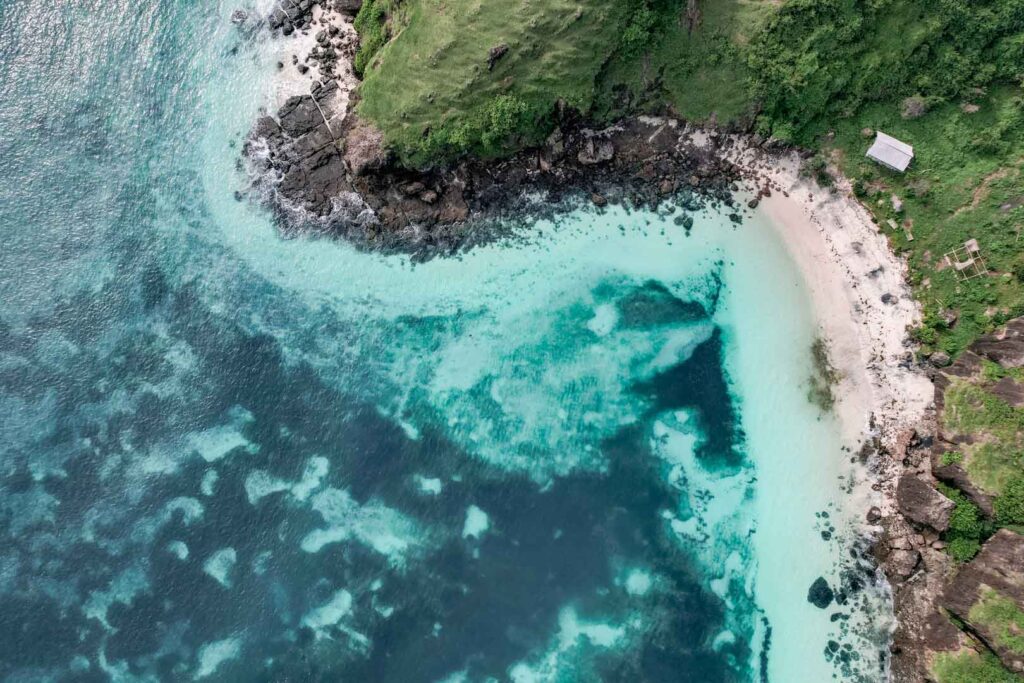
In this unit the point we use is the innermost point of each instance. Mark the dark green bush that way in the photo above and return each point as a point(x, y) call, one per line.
point(371, 25)
point(1009, 505)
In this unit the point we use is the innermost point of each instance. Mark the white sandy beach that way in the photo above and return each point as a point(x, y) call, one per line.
point(862, 301)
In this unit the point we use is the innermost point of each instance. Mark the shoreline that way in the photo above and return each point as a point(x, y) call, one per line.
point(862, 302)
point(857, 286)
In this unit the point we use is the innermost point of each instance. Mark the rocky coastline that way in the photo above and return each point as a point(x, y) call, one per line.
point(323, 171)
point(320, 169)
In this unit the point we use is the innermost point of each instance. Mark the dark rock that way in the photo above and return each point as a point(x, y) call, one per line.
point(874, 515)
point(596, 152)
point(920, 502)
point(598, 200)
point(1005, 346)
point(1009, 390)
point(303, 69)
point(820, 594)
point(902, 563)
point(939, 359)
point(496, 53)
point(350, 7)
point(364, 149)
point(239, 16)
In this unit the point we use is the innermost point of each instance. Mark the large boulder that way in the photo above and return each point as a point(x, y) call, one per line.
point(1005, 346)
point(920, 502)
point(595, 151)
point(988, 595)
point(364, 148)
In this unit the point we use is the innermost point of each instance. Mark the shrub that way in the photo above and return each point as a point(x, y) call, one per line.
point(1009, 505)
point(370, 24)
point(951, 458)
point(967, 527)
point(963, 549)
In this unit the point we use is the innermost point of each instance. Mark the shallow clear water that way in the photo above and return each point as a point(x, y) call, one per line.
point(585, 455)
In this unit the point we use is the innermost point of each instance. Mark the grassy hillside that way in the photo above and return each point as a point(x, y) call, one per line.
point(428, 83)
point(431, 90)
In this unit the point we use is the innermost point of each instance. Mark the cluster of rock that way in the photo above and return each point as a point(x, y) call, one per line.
point(928, 585)
point(320, 168)
point(636, 162)
point(297, 15)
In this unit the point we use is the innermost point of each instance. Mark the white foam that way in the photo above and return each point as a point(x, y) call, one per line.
point(477, 523)
point(329, 614)
point(259, 484)
point(571, 635)
point(431, 487)
point(212, 655)
point(638, 582)
point(384, 530)
point(179, 549)
point(122, 589)
point(606, 317)
point(316, 469)
point(209, 484)
point(215, 443)
point(220, 564)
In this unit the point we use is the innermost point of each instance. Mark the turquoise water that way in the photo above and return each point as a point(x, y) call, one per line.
point(584, 455)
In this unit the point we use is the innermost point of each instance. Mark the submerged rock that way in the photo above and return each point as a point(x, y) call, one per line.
point(820, 594)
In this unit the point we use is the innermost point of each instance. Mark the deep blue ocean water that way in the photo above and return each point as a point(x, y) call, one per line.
point(228, 458)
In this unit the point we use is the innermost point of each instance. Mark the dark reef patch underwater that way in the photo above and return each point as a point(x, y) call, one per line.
point(225, 456)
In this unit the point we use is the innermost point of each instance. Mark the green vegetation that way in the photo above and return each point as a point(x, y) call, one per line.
point(1009, 506)
point(371, 23)
point(431, 91)
point(1001, 617)
point(951, 458)
point(969, 666)
point(967, 526)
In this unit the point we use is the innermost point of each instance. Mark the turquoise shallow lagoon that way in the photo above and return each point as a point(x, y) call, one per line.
point(585, 454)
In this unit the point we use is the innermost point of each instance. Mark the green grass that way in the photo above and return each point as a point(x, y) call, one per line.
point(969, 666)
point(603, 57)
point(1002, 618)
point(433, 74)
point(967, 527)
point(699, 73)
point(955, 190)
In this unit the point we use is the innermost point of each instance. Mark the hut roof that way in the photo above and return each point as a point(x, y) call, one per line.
point(890, 152)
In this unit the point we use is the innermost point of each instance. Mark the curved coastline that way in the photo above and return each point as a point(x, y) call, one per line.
point(856, 283)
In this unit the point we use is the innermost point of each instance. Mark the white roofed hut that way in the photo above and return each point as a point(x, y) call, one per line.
point(891, 153)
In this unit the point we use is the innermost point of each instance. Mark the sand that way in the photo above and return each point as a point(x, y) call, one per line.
point(861, 298)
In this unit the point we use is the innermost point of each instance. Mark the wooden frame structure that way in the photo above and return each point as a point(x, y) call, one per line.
point(966, 261)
